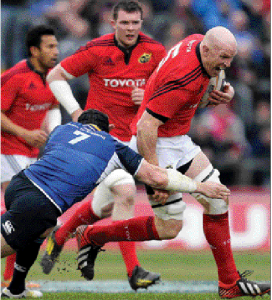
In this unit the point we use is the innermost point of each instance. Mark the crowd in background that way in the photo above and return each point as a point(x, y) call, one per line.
point(235, 137)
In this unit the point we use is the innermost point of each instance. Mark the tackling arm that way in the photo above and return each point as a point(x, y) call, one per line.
point(172, 180)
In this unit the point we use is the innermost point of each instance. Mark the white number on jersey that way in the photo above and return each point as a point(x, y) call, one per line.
point(82, 136)
point(172, 52)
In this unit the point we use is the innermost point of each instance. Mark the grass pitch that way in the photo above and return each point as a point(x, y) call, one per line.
point(172, 265)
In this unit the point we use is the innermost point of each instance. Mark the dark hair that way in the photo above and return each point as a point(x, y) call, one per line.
point(34, 36)
point(127, 6)
point(96, 117)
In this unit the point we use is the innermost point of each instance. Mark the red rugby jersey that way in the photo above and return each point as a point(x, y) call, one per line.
point(112, 72)
point(175, 89)
point(25, 99)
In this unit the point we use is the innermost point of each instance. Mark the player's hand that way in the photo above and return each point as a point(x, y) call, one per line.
point(137, 95)
point(159, 196)
point(76, 114)
point(221, 97)
point(35, 138)
point(213, 190)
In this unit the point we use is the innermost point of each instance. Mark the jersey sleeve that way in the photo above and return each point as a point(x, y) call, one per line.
point(81, 62)
point(129, 158)
point(159, 102)
point(9, 90)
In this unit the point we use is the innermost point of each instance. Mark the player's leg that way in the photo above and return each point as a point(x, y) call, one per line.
point(29, 215)
point(158, 227)
point(10, 260)
point(217, 232)
point(11, 165)
point(87, 212)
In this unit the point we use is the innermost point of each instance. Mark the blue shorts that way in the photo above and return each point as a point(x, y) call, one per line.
point(29, 213)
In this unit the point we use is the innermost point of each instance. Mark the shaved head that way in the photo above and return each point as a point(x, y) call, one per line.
point(217, 50)
point(220, 37)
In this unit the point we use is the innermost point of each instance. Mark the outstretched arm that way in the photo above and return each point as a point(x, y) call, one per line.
point(172, 180)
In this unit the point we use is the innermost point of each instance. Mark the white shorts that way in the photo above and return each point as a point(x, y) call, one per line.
point(13, 164)
point(172, 152)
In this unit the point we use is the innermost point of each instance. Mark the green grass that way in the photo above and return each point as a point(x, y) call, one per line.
point(148, 296)
point(172, 265)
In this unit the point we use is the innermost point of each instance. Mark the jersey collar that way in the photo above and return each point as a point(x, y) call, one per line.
point(197, 49)
point(127, 51)
point(31, 67)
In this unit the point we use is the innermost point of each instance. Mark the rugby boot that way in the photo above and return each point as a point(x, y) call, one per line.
point(51, 253)
point(25, 294)
point(142, 279)
point(243, 287)
point(87, 253)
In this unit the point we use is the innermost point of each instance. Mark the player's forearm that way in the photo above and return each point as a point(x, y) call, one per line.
point(59, 86)
point(163, 179)
point(8, 126)
point(146, 143)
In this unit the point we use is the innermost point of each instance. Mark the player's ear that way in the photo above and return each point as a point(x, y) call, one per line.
point(111, 126)
point(113, 23)
point(34, 51)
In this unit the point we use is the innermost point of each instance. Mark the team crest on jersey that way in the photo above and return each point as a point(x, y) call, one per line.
point(145, 58)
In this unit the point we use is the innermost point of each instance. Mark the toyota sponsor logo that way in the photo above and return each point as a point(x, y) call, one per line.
point(124, 82)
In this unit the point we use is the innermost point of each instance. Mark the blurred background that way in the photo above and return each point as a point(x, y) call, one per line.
point(236, 138)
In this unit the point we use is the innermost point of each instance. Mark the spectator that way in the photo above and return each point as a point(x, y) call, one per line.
point(225, 136)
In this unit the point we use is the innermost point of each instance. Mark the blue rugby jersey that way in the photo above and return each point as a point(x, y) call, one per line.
point(76, 159)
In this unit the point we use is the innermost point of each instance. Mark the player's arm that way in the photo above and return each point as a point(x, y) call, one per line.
point(147, 139)
point(54, 117)
point(35, 138)
point(172, 180)
point(146, 144)
point(57, 79)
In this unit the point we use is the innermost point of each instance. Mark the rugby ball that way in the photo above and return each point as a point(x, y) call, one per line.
point(216, 83)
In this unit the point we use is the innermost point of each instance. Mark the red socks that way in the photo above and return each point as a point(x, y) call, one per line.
point(135, 229)
point(216, 229)
point(9, 268)
point(83, 215)
point(128, 250)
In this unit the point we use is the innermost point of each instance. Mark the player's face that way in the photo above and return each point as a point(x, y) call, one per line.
point(217, 59)
point(48, 52)
point(127, 28)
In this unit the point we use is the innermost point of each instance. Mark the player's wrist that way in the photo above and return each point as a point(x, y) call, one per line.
point(179, 182)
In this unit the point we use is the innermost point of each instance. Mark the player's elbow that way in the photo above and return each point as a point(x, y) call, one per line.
point(55, 74)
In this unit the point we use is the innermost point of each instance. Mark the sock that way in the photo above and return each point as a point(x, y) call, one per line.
point(134, 229)
point(216, 229)
point(128, 250)
point(10, 260)
point(25, 258)
point(83, 215)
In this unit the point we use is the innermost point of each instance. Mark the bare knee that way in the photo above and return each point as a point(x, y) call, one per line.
point(106, 211)
point(168, 229)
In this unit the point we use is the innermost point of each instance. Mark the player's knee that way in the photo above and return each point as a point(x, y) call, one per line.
point(169, 216)
point(168, 229)
point(118, 181)
point(211, 205)
point(106, 211)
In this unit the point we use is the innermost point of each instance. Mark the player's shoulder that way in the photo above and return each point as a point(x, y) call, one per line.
point(145, 39)
point(194, 38)
point(17, 71)
point(99, 43)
